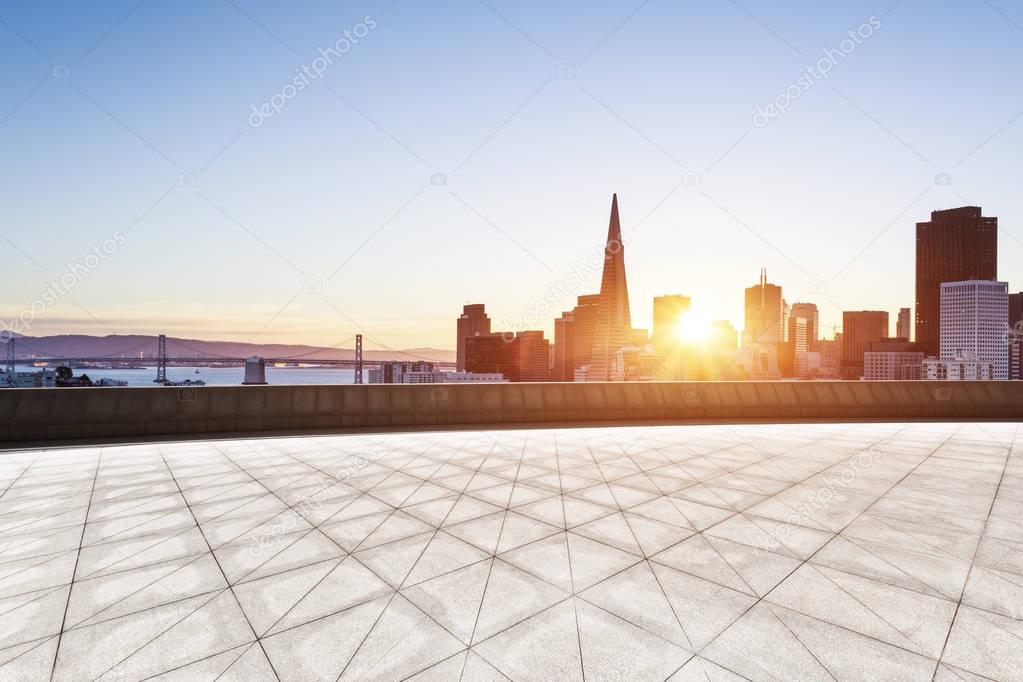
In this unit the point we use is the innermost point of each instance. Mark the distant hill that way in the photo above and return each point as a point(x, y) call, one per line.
point(129, 346)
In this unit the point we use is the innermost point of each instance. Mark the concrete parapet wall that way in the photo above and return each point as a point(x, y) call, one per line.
point(108, 413)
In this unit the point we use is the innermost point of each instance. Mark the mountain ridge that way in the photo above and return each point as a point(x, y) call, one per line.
point(131, 345)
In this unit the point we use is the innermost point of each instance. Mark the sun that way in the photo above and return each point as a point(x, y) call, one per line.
point(693, 328)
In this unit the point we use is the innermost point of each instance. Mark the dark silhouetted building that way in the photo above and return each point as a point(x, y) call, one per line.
point(764, 313)
point(524, 356)
point(957, 244)
point(860, 328)
point(1015, 336)
point(563, 368)
point(532, 357)
point(473, 321)
point(487, 353)
point(395, 372)
point(1015, 309)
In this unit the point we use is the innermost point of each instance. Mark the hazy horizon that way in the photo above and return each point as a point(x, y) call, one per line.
point(163, 144)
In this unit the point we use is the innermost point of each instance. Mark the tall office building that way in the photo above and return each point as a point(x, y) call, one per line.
point(764, 313)
point(1016, 311)
point(584, 322)
point(522, 357)
point(798, 336)
point(958, 244)
point(488, 354)
point(668, 312)
point(1015, 358)
point(811, 319)
point(902, 324)
point(859, 329)
point(974, 315)
point(1015, 336)
point(472, 321)
point(532, 356)
point(613, 328)
point(564, 347)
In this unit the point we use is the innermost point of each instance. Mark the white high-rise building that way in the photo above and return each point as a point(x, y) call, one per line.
point(974, 316)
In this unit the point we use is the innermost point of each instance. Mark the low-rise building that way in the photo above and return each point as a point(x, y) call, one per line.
point(394, 372)
point(892, 365)
point(44, 378)
point(959, 369)
point(453, 378)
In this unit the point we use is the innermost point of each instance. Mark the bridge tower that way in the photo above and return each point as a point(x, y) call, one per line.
point(358, 358)
point(10, 358)
point(161, 360)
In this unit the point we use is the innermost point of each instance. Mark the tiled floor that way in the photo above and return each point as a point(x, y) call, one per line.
point(857, 551)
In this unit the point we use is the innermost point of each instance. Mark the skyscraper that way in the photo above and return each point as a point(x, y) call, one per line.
point(473, 321)
point(522, 357)
point(764, 313)
point(956, 245)
point(613, 327)
point(811, 316)
point(532, 356)
point(902, 324)
point(668, 312)
point(860, 328)
point(1015, 335)
point(564, 347)
point(974, 315)
point(1016, 311)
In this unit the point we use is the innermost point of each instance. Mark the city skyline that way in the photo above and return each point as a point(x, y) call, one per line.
point(233, 223)
point(698, 319)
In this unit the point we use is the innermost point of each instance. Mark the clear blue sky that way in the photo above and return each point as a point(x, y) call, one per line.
point(134, 119)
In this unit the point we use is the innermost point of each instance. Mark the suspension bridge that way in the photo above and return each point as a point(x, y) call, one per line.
point(161, 359)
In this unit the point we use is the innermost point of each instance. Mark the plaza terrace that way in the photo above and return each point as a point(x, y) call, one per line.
point(686, 552)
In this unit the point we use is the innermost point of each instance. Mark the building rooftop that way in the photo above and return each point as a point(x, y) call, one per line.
point(828, 551)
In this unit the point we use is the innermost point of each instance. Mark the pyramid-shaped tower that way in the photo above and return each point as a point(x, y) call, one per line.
point(614, 323)
point(613, 288)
